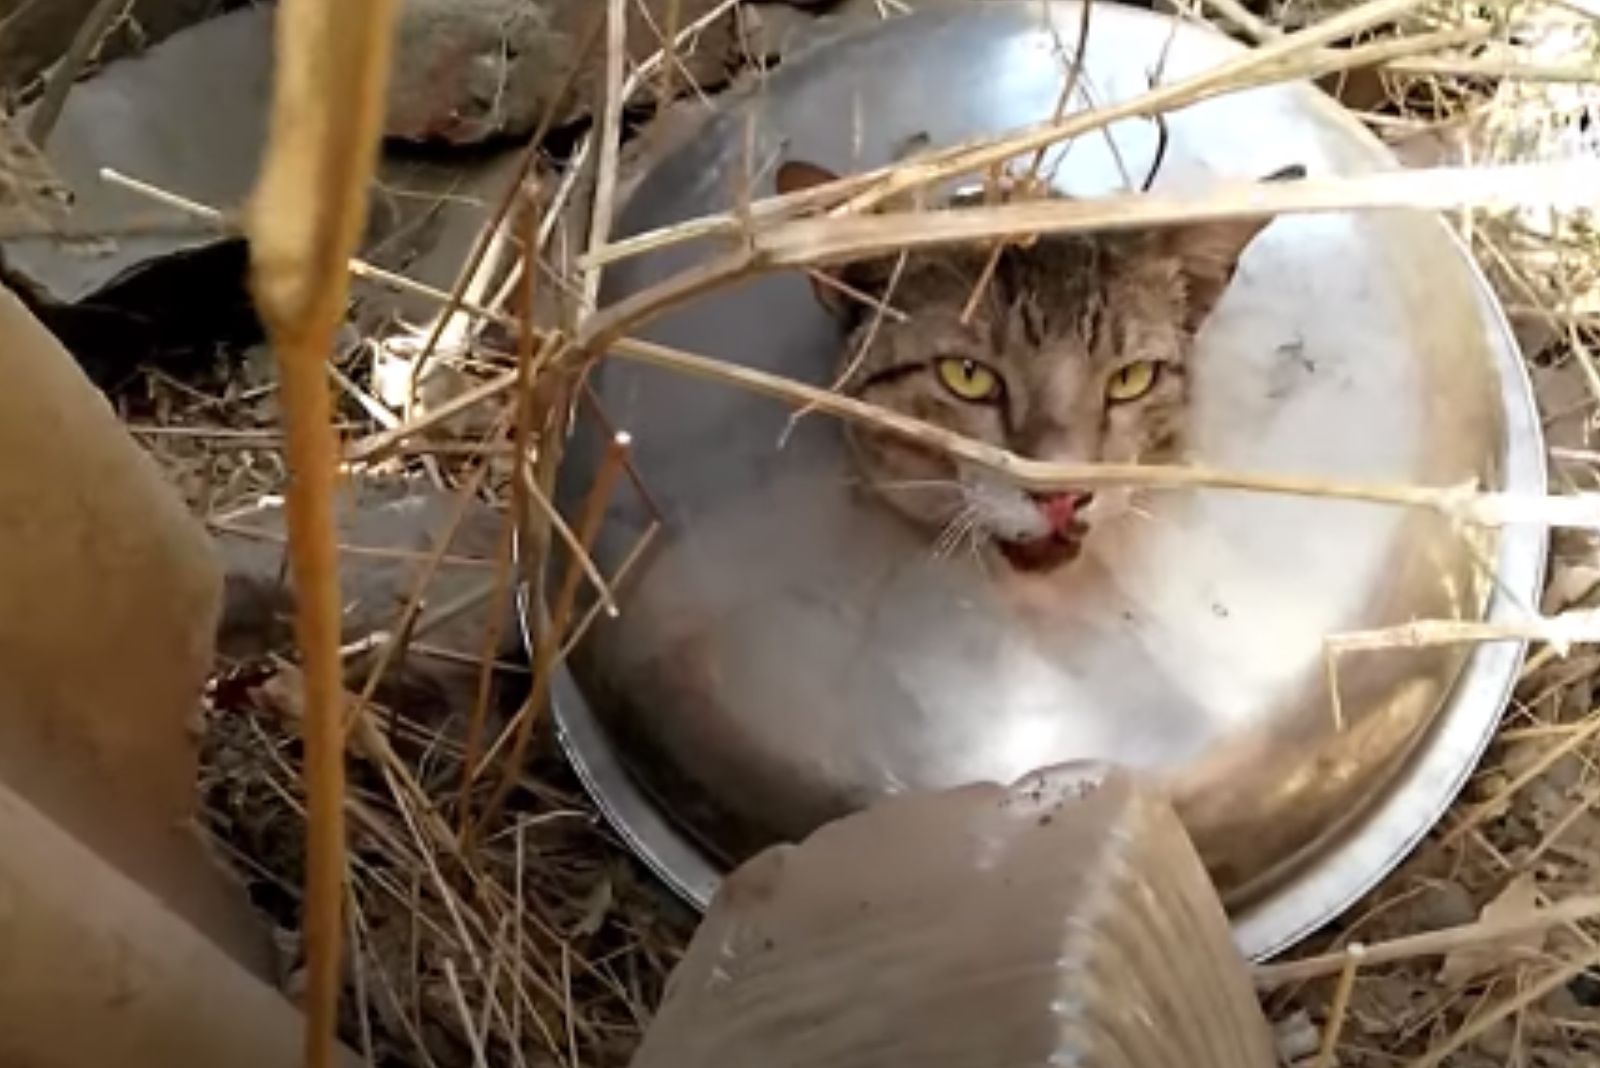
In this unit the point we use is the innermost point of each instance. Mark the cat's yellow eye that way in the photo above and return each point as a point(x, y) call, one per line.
point(968, 379)
point(1132, 382)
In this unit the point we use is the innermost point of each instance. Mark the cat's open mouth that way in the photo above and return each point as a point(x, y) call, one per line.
point(1047, 553)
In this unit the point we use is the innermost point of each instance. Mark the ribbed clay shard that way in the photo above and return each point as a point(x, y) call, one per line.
point(1065, 920)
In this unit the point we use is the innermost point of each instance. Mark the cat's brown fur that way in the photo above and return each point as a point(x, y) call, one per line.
point(1058, 320)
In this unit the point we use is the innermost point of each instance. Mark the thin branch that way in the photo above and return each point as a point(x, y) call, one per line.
point(520, 729)
point(1261, 66)
point(1481, 1023)
point(360, 268)
point(306, 216)
point(90, 33)
point(1341, 1005)
point(605, 193)
point(459, 998)
point(841, 238)
point(1579, 626)
point(475, 274)
point(1462, 503)
point(1453, 67)
point(1430, 943)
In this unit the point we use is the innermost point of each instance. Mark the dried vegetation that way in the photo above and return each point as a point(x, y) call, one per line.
point(493, 919)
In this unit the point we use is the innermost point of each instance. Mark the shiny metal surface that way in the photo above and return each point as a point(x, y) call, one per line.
point(791, 652)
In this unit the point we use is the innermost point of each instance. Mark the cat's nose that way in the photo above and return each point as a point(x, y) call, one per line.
point(1063, 509)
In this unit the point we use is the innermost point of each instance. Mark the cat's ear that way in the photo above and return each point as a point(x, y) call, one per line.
point(1208, 253)
point(795, 176)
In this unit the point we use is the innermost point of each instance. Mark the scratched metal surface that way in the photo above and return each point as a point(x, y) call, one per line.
point(791, 652)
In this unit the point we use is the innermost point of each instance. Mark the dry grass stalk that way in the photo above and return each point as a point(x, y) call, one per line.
point(358, 267)
point(1428, 944)
point(405, 627)
point(859, 192)
point(1462, 503)
point(605, 195)
point(552, 632)
point(479, 269)
point(1580, 626)
point(605, 595)
point(523, 418)
point(1413, 189)
point(1469, 820)
point(1341, 1005)
point(306, 218)
point(810, 242)
point(1469, 68)
point(380, 552)
point(1482, 1022)
point(624, 569)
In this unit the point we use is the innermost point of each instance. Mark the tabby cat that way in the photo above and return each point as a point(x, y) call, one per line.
point(1075, 348)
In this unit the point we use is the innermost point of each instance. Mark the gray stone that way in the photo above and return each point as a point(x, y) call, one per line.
point(34, 33)
point(469, 70)
point(387, 528)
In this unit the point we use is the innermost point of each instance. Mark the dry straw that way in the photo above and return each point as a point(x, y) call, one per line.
point(495, 923)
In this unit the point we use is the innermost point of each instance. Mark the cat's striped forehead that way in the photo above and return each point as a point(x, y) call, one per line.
point(1040, 295)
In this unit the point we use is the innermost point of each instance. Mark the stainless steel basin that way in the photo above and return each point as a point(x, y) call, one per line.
point(791, 651)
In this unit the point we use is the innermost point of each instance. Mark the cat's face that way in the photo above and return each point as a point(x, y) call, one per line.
point(1075, 348)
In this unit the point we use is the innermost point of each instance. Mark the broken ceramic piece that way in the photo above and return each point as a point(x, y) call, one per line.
point(124, 278)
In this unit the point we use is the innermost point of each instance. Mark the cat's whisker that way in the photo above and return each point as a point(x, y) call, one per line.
point(943, 535)
point(913, 484)
point(947, 540)
point(973, 537)
point(978, 537)
point(954, 532)
point(1151, 517)
point(946, 484)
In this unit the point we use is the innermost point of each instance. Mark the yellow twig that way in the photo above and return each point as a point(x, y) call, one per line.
point(304, 221)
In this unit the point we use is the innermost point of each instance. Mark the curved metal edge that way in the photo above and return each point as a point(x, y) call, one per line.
point(1427, 785)
point(631, 814)
point(1423, 791)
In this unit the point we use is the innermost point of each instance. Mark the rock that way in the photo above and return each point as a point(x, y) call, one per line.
point(387, 529)
point(33, 35)
point(111, 600)
point(467, 71)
